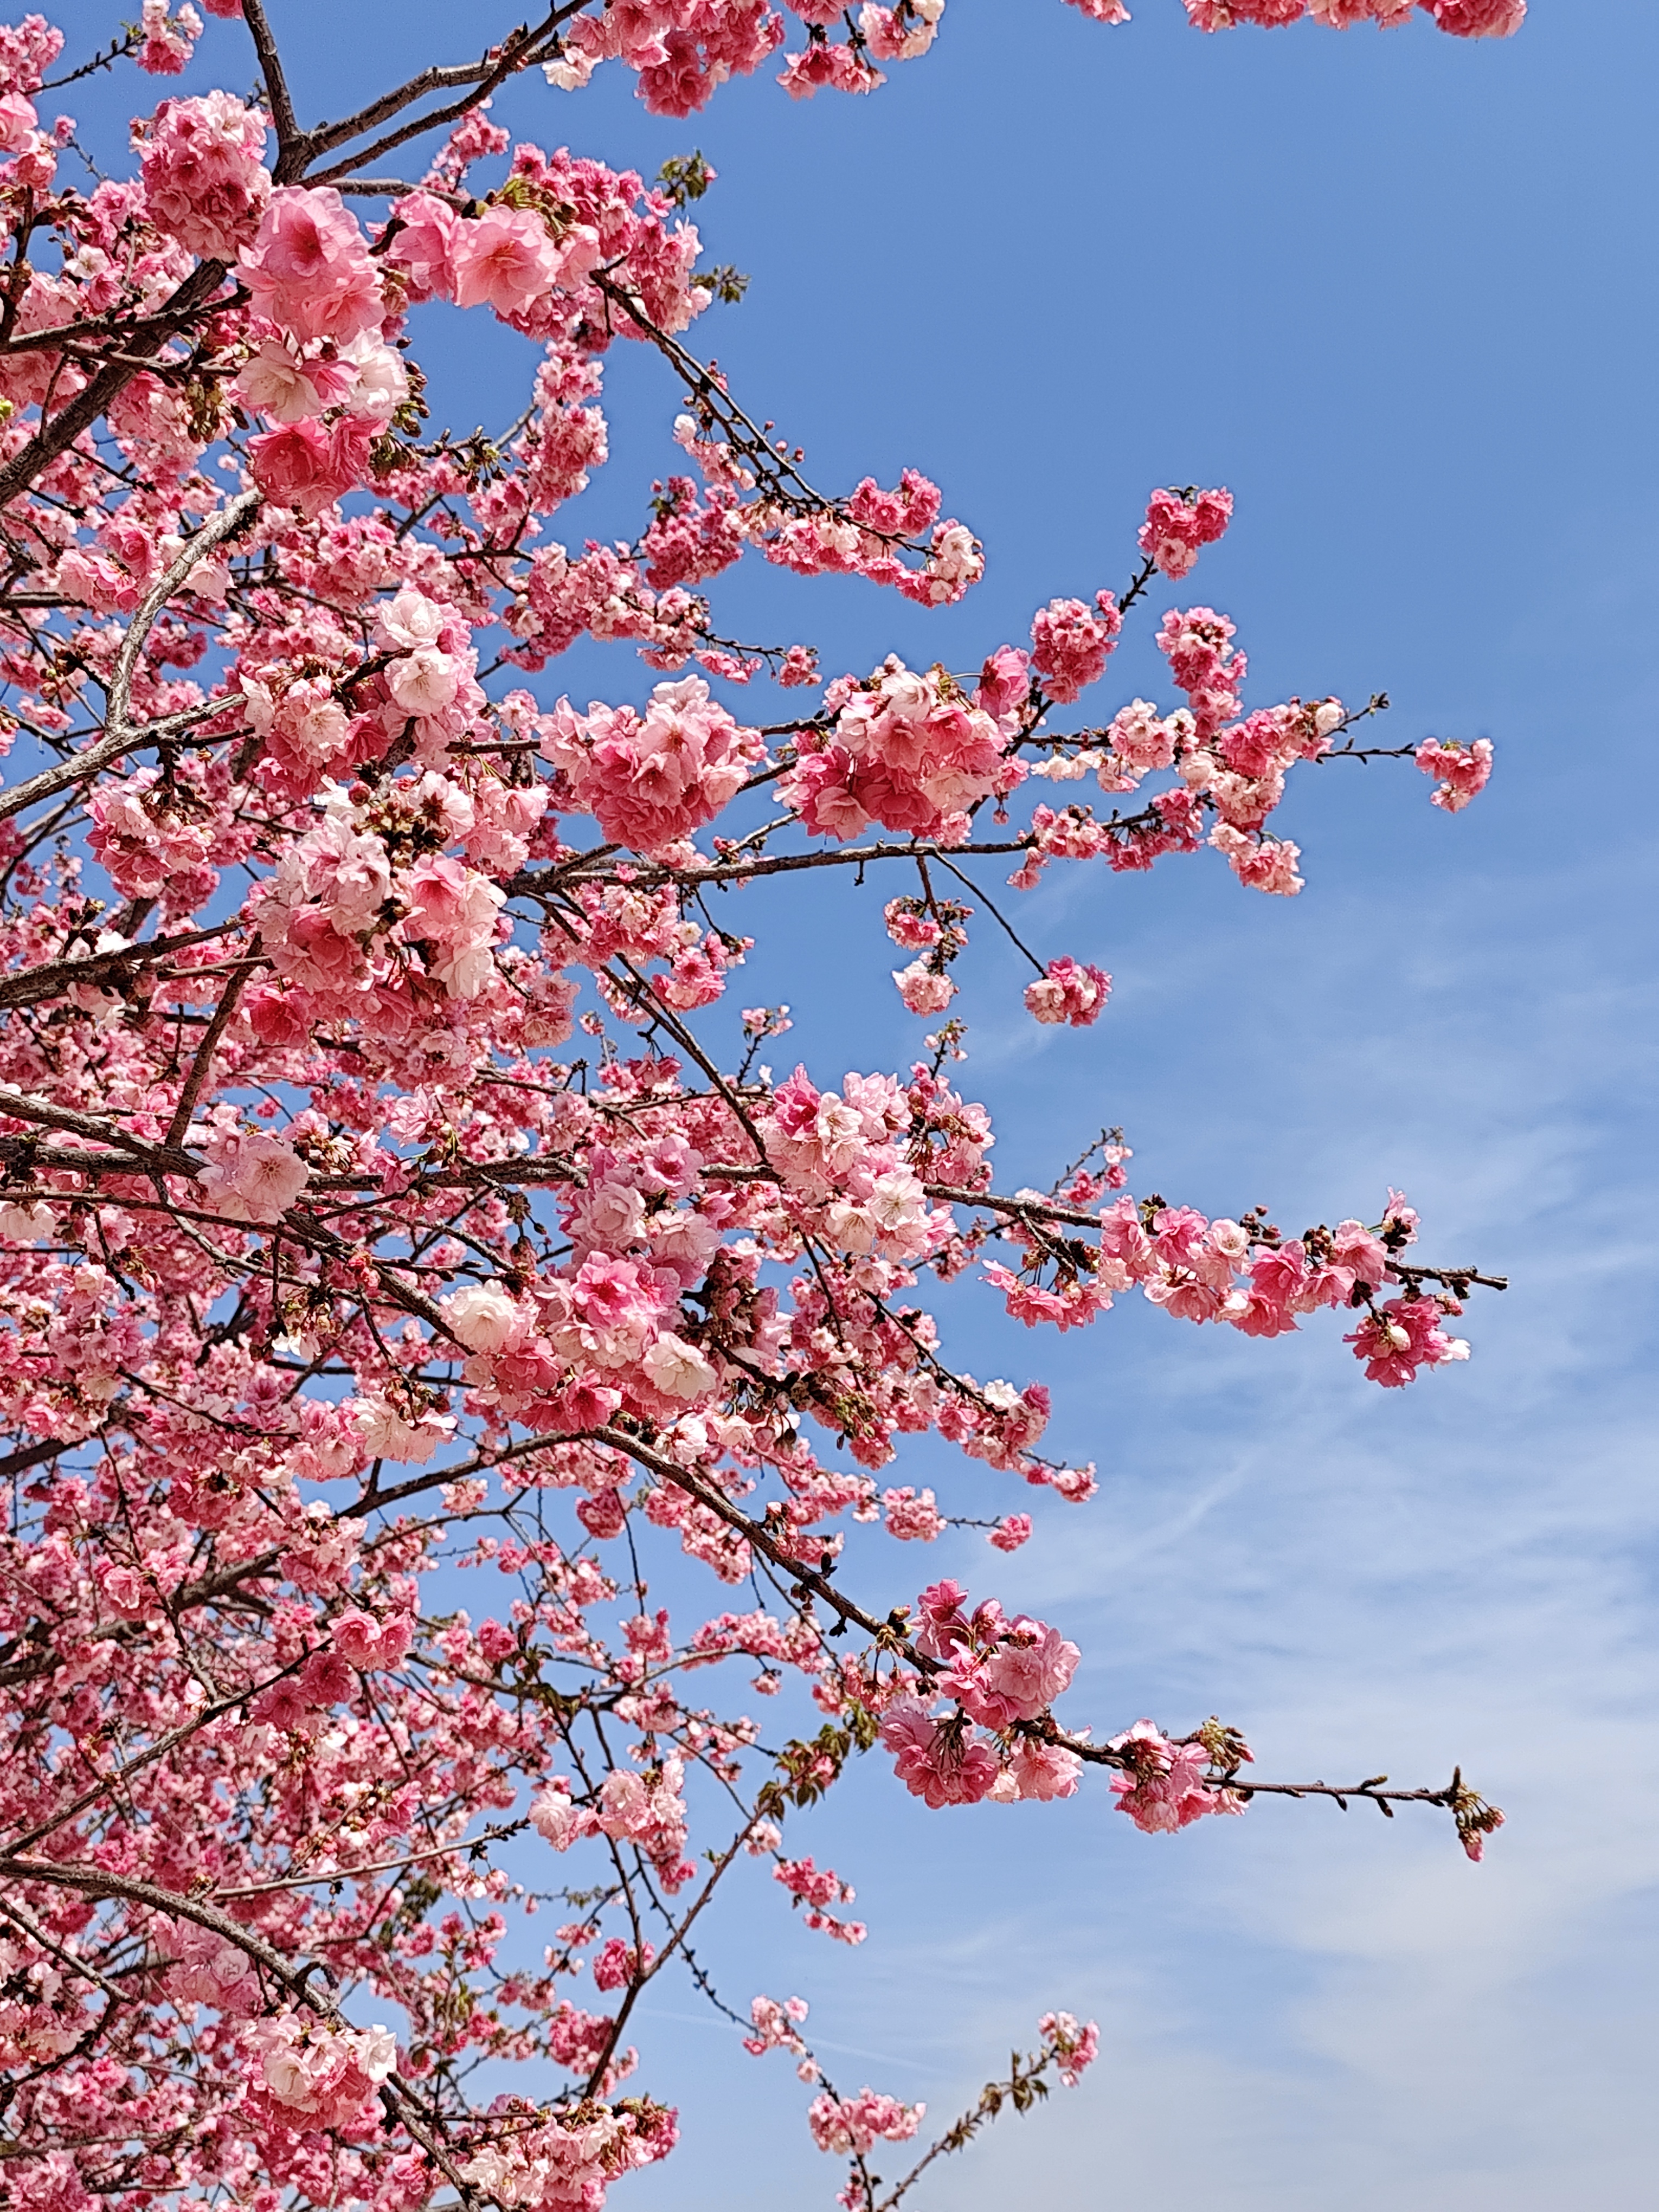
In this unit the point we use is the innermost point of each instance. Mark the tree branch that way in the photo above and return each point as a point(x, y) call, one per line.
point(120, 736)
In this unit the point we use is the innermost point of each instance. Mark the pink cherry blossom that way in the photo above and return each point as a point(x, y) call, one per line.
point(652, 779)
point(1463, 772)
point(923, 990)
point(303, 466)
point(777, 2026)
point(167, 38)
point(1402, 1336)
point(1071, 991)
point(1162, 1787)
point(1176, 527)
point(205, 182)
point(933, 1762)
point(482, 1317)
point(912, 1515)
point(504, 259)
point(856, 2124)
point(1070, 646)
point(1024, 1667)
point(252, 1176)
point(1078, 2045)
point(1038, 1773)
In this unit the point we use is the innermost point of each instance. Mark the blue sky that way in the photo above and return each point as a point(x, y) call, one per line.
point(1399, 294)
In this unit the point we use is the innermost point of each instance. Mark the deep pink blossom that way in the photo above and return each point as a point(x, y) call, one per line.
point(1402, 1336)
point(1070, 645)
point(1176, 527)
point(1071, 991)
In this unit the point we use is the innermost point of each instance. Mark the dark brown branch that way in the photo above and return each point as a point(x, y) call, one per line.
point(143, 1158)
point(19, 1462)
point(55, 434)
point(439, 78)
point(201, 1065)
point(30, 985)
point(290, 138)
point(533, 882)
point(21, 1918)
point(513, 54)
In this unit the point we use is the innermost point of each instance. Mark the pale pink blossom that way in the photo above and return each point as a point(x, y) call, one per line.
point(251, 1176)
point(911, 1515)
point(933, 1761)
point(776, 2026)
point(424, 681)
point(923, 990)
point(278, 383)
point(409, 620)
point(26, 1225)
point(1021, 1673)
point(854, 2124)
point(557, 1819)
point(1077, 2045)
point(900, 35)
point(1162, 1786)
point(1265, 864)
point(482, 1317)
point(678, 1368)
point(327, 2074)
point(308, 268)
point(504, 259)
point(387, 1434)
point(1037, 1772)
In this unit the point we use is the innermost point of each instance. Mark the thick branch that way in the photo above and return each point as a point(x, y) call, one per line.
point(144, 1157)
point(30, 985)
point(56, 435)
point(290, 139)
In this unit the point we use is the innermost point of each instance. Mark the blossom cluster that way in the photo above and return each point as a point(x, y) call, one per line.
point(998, 1673)
point(680, 54)
point(328, 2074)
point(911, 752)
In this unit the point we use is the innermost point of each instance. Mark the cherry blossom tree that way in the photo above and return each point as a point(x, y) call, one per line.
point(386, 1192)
